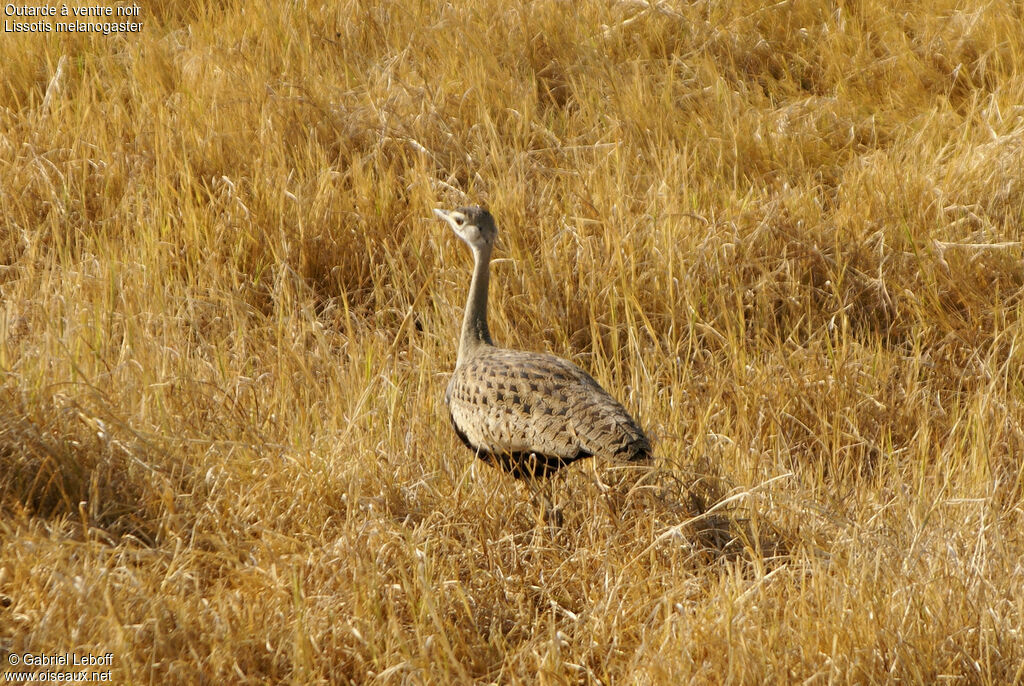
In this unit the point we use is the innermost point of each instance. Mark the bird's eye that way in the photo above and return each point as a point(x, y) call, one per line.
point(460, 221)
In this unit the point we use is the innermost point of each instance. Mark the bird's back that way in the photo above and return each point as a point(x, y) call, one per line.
point(532, 413)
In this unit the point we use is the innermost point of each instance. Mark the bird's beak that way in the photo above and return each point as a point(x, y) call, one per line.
point(444, 215)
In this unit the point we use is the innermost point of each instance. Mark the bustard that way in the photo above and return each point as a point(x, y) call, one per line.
point(528, 413)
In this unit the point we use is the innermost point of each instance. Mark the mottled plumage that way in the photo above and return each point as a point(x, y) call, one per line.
point(528, 413)
point(531, 413)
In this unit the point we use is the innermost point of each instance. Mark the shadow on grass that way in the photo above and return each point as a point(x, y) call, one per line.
point(59, 461)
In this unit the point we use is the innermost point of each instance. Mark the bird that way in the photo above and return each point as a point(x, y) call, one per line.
point(529, 414)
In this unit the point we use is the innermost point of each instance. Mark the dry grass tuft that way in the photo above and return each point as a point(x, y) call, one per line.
point(789, 236)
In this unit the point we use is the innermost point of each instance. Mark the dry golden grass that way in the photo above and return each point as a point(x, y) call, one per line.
point(787, 236)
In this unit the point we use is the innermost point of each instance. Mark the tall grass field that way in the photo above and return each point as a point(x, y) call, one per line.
point(786, 236)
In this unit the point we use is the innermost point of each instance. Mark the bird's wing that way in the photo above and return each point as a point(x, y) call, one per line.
point(506, 401)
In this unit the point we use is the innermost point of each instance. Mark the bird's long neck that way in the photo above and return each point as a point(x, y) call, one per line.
point(475, 333)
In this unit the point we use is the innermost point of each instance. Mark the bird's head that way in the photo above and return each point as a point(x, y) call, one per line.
point(474, 225)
